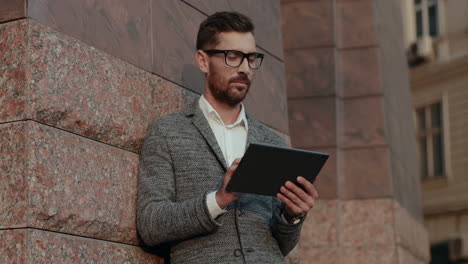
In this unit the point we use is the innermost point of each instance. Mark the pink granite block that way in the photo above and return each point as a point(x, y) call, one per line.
point(355, 24)
point(365, 173)
point(358, 72)
point(317, 14)
point(13, 46)
point(405, 257)
point(312, 122)
point(326, 182)
point(13, 246)
point(362, 122)
point(310, 72)
point(79, 186)
point(49, 247)
point(13, 182)
point(81, 89)
point(411, 235)
point(357, 255)
point(366, 223)
point(320, 227)
point(319, 255)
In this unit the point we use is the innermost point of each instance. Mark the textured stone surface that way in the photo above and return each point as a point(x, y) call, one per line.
point(12, 9)
point(358, 255)
point(83, 90)
point(355, 24)
point(267, 96)
point(13, 37)
point(120, 28)
point(62, 182)
point(365, 173)
point(411, 236)
point(358, 72)
point(319, 255)
point(175, 26)
point(310, 72)
point(326, 182)
point(362, 122)
point(312, 122)
point(321, 226)
point(265, 15)
point(296, 15)
point(13, 246)
point(366, 223)
point(79, 186)
point(13, 182)
point(38, 246)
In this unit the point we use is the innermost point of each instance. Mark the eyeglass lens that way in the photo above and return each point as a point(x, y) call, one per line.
point(234, 59)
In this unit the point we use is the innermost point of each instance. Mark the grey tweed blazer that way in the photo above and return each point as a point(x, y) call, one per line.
point(180, 163)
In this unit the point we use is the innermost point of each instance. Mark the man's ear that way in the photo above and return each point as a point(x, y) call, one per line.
point(202, 61)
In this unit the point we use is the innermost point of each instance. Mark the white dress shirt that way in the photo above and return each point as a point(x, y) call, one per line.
point(231, 140)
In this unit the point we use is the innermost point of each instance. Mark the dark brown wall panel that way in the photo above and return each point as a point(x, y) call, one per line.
point(175, 26)
point(12, 9)
point(267, 96)
point(308, 24)
point(310, 72)
point(121, 28)
point(265, 15)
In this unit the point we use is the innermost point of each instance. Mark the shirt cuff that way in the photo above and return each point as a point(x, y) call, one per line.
point(213, 206)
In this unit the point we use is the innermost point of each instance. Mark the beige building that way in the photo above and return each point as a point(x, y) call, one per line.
point(436, 37)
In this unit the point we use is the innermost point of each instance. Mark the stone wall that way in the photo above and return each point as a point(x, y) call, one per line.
point(348, 94)
point(80, 81)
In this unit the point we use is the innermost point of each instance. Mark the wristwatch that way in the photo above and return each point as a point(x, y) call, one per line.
point(294, 220)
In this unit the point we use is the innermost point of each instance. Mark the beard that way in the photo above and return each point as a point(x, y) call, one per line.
point(222, 90)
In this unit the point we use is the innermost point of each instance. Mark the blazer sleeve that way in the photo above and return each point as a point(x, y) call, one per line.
point(286, 234)
point(160, 218)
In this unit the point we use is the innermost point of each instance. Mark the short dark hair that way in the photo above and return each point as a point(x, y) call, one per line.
point(221, 22)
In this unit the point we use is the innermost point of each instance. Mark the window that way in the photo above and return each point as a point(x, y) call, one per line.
point(432, 17)
point(430, 139)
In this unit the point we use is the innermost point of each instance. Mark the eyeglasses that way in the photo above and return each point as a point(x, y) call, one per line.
point(234, 58)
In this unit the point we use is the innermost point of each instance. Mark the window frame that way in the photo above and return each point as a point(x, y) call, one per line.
point(444, 130)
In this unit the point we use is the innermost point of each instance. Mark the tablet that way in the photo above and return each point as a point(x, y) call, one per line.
point(265, 168)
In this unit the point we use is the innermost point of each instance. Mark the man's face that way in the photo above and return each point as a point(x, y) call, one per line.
point(230, 85)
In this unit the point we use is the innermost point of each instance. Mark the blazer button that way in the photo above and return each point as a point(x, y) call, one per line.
point(237, 253)
point(250, 250)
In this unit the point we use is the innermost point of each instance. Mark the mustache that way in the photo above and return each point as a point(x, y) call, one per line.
point(241, 78)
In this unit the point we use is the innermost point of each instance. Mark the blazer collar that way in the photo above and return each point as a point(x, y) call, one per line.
point(254, 132)
point(199, 121)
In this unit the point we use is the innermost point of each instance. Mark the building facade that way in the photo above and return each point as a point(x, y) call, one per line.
point(437, 43)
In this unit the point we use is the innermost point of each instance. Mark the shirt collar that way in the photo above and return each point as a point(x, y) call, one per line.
point(210, 113)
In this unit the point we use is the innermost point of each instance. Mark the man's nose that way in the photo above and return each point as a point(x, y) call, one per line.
point(244, 66)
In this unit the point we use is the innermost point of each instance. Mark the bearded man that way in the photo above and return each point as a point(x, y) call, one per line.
point(188, 158)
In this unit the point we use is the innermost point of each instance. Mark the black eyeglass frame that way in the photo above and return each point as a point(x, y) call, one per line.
point(244, 56)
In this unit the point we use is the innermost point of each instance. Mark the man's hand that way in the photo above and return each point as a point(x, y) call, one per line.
point(224, 198)
point(297, 200)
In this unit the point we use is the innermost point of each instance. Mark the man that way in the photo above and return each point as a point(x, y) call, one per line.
point(188, 158)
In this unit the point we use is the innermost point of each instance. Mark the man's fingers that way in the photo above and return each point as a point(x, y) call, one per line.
point(301, 194)
point(308, 186)
point(293, 197)
point(292, 206)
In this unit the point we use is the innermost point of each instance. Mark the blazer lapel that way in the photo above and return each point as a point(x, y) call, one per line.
point(200, 122)
point(254, 134)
